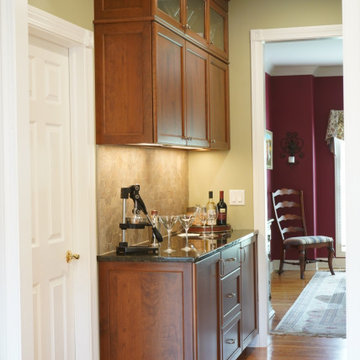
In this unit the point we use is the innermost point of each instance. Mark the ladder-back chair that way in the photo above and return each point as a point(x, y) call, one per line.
point(290, 216)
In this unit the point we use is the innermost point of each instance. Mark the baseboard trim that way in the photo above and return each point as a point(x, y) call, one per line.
point(338, 263)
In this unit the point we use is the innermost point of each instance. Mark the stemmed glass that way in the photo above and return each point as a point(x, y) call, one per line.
point(169, 221)
point(186, 221)
point(211, 218)
point(203, 218)
point(154, 220)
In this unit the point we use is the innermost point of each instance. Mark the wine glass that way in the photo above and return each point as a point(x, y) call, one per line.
point(211, 219)
point(169, 221)
point(155, 221)
point(203, 218)
point(186, 221)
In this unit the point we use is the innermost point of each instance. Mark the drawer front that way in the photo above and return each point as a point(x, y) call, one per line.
point(230, 259)
point(231, 342)
point(230, 291)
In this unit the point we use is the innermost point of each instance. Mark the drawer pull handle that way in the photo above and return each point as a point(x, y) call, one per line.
point(230, 295)
point(231, 259)
point(230, 341)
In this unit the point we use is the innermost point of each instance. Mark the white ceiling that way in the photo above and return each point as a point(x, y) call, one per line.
point(322, 57)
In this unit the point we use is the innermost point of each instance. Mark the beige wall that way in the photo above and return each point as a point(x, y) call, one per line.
point(79, 12)
point(162, 175)
point(214, 170)
point(233, 169)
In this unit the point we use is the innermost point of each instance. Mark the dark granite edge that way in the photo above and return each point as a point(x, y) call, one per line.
point(111, 256)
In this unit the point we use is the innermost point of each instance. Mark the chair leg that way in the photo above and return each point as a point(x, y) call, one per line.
point(330, 258)
point(302, 262)
point(282, 258)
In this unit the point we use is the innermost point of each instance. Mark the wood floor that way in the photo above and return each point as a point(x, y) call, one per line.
point(285, 289)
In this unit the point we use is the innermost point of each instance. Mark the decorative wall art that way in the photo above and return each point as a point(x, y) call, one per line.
point(291, 147)
point(269, 149)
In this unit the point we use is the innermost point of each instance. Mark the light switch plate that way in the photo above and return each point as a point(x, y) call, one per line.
point(237, 197)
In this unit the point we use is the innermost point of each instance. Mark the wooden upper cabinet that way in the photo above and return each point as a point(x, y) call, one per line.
point(196, 86)
point(123, 75)
point(169, 56)
point(158, 79)
point(219, 104)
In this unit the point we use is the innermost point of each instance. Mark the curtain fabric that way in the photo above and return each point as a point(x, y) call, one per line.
point(335, 125)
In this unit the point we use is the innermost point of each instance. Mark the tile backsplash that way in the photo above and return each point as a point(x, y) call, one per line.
point(163, 178)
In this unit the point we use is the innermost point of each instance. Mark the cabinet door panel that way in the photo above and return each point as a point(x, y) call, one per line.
point(196, 96)
point(123, 83)
point(249, 292)
point(218, 30)
point(219, 105)
point(171, 8)
point(171, 13)
point(145, 311)
point(207, 308)
point(170, 50)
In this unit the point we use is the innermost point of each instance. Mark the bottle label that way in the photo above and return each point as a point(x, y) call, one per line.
point(222, 211)
point(222, 216)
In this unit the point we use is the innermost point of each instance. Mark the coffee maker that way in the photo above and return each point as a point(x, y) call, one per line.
point(135, 222)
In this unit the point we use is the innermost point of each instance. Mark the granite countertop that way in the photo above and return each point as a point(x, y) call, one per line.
point(201, 248)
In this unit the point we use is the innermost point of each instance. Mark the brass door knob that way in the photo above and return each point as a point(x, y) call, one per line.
point(70, 256)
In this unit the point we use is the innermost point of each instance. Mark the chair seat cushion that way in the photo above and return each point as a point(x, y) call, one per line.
point(306, 240)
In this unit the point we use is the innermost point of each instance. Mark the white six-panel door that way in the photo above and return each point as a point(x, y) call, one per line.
point(51, 200)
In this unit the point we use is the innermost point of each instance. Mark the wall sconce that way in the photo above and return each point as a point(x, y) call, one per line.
point(292, 145)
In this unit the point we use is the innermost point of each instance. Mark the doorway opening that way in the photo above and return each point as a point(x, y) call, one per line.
point(259, 39)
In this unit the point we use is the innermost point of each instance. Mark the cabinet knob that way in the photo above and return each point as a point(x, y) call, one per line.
point(231, 259)
point(213, 141)
point(230, 341)
point(230, 295)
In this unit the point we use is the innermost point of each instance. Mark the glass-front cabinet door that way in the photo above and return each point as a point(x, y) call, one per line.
point(171, 8)
point(172, 11)
point(217, 30)
point(195, 17)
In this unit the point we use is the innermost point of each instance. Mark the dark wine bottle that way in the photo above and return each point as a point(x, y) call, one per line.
point(221, 210)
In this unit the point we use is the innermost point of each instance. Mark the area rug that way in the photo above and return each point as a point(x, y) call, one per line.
point(320, 309)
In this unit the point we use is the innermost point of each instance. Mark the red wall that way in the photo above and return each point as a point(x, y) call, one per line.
point(301, 104)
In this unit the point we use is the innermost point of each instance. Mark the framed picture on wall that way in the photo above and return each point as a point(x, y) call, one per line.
point(269, 149)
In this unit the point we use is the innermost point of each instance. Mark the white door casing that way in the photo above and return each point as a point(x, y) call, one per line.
point(81, 286)
point(258, 39)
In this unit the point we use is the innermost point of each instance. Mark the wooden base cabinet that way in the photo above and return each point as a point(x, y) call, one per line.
point(146, 311)
point(205, 310)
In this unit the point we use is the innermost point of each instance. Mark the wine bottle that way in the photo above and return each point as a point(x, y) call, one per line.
point(221, 210)
point(211, 210)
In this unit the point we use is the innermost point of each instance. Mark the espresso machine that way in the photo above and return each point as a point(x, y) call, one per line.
point(135, 222)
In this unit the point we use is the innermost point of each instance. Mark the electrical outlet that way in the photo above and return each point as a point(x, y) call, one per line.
point(237, 197)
